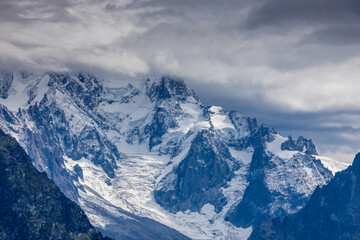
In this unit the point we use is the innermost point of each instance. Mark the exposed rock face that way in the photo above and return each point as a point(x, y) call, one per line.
point(301, 144)
point(32, 206)
point(167, 94)
point(199, 177)
point(271, 192)
point(333, 212)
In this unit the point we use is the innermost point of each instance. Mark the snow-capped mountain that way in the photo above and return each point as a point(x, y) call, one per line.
point(332, 212)
point(151, 148)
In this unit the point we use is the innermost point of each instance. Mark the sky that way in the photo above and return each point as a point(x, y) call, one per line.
point(292, 64)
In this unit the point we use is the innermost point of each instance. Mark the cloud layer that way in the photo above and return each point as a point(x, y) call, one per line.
point(294, 64)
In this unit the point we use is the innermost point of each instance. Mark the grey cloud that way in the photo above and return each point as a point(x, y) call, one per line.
point(200, 5)
point(339, 35)
point(287, 13)
point(292, 64)
point(27, 11)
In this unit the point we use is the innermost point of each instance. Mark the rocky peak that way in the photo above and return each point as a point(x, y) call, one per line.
point(167, 87)
point(206, 168)
point(86, 87)
point(301, 144)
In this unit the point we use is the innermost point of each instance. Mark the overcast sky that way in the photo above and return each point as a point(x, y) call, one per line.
point(293, 64)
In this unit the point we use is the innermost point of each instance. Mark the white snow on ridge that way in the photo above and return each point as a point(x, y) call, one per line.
point(333, 165)
point(22, 90)
point(275, 147)
point(41, 88)
point(220, 119)
point(192, 115)
point(291, 171)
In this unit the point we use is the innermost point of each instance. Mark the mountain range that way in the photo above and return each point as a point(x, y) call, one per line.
point(148, 156)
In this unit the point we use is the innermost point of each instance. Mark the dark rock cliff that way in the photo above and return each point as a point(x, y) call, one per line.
point(206, 168)
point(301, 144)
point(32, 206)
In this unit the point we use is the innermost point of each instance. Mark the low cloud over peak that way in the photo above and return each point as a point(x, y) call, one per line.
point(274, 57)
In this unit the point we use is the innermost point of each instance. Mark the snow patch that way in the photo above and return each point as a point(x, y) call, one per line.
point(244, 157)
point(333, 165)
point(275, 147)
point(220, 119)
point(24, 91)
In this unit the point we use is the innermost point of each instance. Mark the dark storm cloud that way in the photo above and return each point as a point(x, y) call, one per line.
point(281, 13)
point(333, 22)
point(338, 35)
